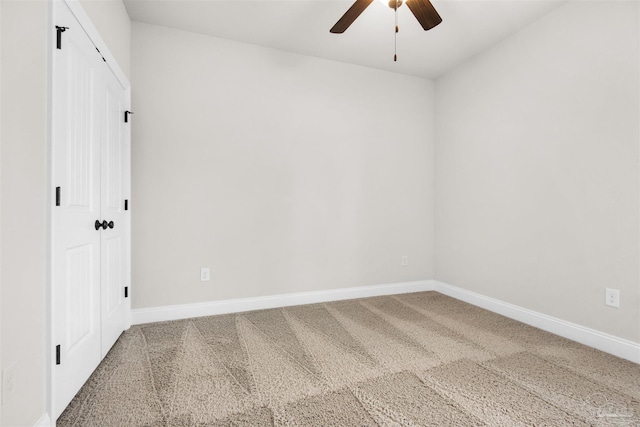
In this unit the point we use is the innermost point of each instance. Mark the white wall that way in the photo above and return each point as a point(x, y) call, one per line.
point(537, 179)
point(1, 365)
point(280, 172)
point(235, 167)
point(23, 243)
point(112, 22)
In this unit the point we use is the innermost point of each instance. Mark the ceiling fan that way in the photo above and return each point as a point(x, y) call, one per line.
point(423, 10)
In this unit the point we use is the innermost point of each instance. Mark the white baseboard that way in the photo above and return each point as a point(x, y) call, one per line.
point(608, 343)
point(185, 311)
point(44, 421)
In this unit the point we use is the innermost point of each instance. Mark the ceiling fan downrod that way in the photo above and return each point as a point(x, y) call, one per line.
point(397, 4)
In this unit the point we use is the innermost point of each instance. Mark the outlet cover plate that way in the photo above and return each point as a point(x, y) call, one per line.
point(8, 382)
point(612, 297)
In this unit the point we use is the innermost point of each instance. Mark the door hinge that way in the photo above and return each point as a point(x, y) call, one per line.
point(57, 196)
point(100, 53)
point(126, 116)
point(126, 292)
point(58, 354)
point(60, 30)
point(126, 204)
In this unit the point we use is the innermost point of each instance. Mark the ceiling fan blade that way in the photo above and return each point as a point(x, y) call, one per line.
point(350, 15)
point(425, 13)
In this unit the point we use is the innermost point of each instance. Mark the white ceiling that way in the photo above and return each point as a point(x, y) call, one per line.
point(302, 26)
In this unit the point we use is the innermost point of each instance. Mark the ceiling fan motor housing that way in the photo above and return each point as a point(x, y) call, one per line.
point(423, 10)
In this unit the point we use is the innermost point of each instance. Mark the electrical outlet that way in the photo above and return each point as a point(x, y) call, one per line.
point(405, 260)
point(8, 382)
point(612, 298)
point(205, 274)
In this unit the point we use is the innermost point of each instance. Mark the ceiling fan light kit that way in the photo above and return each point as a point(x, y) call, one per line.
point(423, 10)
point(393, 4)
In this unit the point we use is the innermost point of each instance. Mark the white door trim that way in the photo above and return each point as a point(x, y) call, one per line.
point(94, 35)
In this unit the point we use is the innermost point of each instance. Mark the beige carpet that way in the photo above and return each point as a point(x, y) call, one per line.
point(420, 359)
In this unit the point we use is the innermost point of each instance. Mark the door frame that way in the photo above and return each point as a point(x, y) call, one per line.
point(86, 24)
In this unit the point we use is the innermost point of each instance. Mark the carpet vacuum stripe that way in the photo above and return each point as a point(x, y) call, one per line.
point(421, 359)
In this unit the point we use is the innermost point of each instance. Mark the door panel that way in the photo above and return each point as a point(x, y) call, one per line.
point(112, 152)
point(113, 251)
point(80, 85)
point(113, 239)
point(79, 271)
point(76, 243)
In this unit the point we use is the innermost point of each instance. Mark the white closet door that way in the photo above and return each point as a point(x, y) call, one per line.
point(114, 238)
point(76, 271)
point(90, 163)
